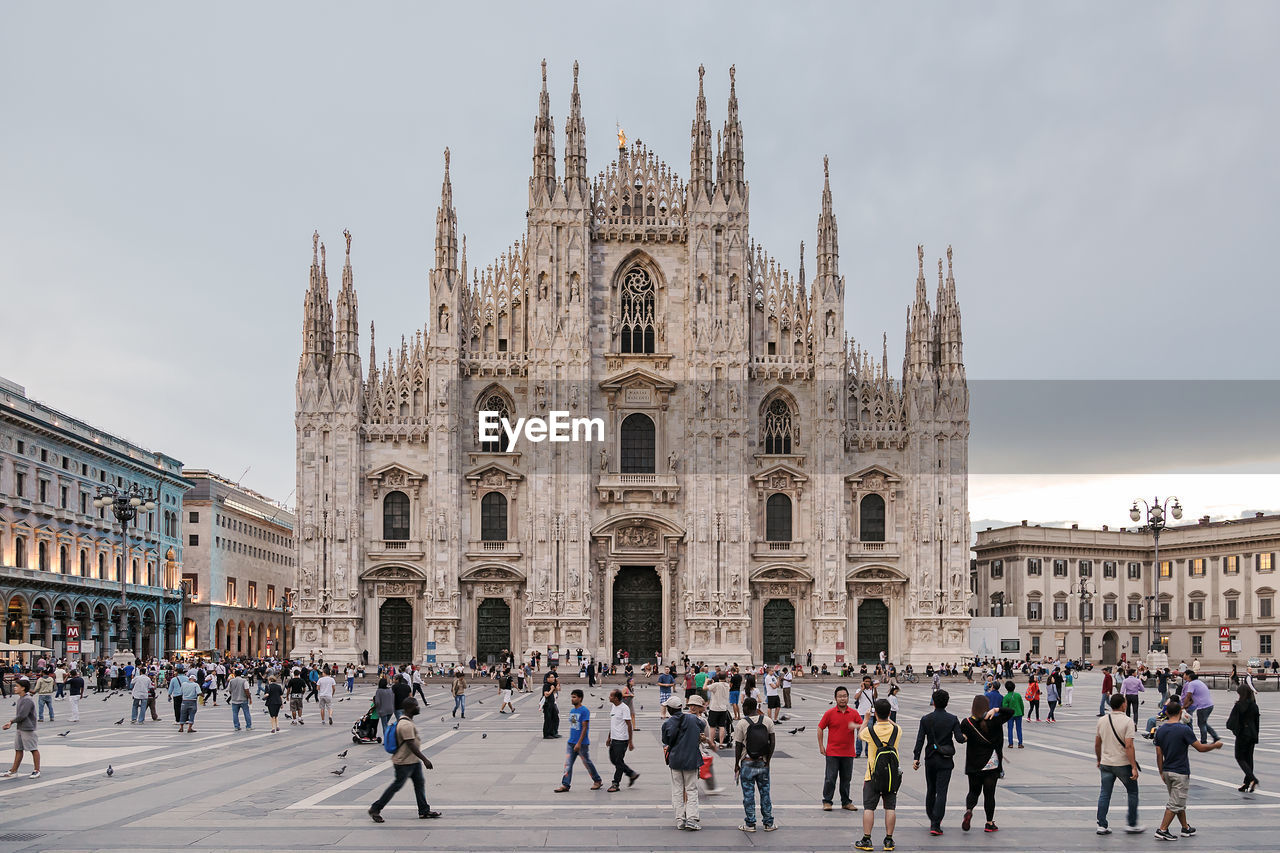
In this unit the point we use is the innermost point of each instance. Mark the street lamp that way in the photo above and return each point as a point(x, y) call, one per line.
point(125, 504)
point(1086, 591)
point(1156, 512)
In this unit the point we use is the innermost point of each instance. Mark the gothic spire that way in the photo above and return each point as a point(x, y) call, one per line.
point(543, 185)
point(919, 355)
point(802, 263)
point(317, 327)
point(828, 276)
point(348, 330)
point(575, 147)
point(731, 169)
point(446, 225)
point(700, 157)
point(950, 339)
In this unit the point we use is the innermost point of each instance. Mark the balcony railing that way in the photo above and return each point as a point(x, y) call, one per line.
point(399, 548)
point(777, 548)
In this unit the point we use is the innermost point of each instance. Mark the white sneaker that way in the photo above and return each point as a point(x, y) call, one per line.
point(1134, 830)
point(8, 774)
point(1104, 830)
point(35, 774)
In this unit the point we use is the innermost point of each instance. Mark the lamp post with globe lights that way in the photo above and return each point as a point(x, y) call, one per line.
point(125, 504)
point(1156, 513)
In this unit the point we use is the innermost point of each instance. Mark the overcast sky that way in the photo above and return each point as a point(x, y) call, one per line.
point(1106, 174)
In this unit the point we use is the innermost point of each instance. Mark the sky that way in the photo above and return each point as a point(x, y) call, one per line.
point(1106, 175)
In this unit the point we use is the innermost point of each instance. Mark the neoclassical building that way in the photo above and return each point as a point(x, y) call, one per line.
point(764, 484)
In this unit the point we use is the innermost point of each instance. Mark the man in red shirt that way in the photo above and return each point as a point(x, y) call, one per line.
point(1107, 685)
point(837, 735)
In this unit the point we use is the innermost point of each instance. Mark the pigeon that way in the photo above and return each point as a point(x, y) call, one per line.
point(344, 752)
point(455, 725)
point(442, 719)
point(105, 698)
point(64, 734)
point(802, 699)
point(793, 731)
point(483, 735)
point(120, 722)
point(338, 772)
point(110, 772)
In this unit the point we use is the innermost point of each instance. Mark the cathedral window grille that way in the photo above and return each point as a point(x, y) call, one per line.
point(778, 428)
point(639, 445)
point(637, 320)
point(496, 403)
point(871, 519)
point(493, 517)
point(395, 516)
point(777, 524)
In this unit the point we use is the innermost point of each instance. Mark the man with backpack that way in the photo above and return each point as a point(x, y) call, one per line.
point(681, 734)
point(883, 775)
point(407, 761)
point(754, 738)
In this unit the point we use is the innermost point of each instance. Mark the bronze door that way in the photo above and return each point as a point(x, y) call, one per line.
point(873, 630)
point(779, 631)
point(395, 632)
point(637, 613)
point(493, 629)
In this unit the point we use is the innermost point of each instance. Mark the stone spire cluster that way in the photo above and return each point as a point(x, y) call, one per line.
point(934, 340)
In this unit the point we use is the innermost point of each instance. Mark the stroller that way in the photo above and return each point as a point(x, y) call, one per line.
point(365, 729)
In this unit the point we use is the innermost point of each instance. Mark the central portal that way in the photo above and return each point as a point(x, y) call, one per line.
point(395, 631)
point(779, 631)
point(493, 629)
point(873, 630)
point(637, 612)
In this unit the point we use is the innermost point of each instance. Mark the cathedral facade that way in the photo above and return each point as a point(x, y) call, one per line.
point(764, 484)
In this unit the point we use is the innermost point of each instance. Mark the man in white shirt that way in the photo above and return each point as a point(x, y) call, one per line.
point(772, 695)
point(786, 687)
point(140, 692)
point(863, 702)
point(324, 695)
point(620, 740)
point(59, 681)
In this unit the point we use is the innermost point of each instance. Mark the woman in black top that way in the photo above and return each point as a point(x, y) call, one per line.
point(1244, 723)
point(274, 699)
point(400, 691)
point(550, 713)
point(983, 760)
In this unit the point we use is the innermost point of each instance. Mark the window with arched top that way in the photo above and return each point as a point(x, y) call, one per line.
point(62, 559)
point(42, 556)
point(871, 519)
point(636, 314)
point(102, 567)
point(638, 445)
point(493, 517)
point(395, 516)
point(777, 518)
point(495, 403)
point(778, 427)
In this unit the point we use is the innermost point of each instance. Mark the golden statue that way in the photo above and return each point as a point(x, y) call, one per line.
point(622, 138)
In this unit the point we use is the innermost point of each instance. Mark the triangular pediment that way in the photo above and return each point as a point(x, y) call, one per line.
point(637, 377)
point(780, 469)
point(394, 471)
point(873, 478)
point(493, 474)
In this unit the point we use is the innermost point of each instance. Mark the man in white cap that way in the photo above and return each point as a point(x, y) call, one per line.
point(681, 734)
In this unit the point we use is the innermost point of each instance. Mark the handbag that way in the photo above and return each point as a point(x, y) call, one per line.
point(994, 761)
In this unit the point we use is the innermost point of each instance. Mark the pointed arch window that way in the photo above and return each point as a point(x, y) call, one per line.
point(493, 517)
point(871, 519)
point(778, 427)
point(777, 518)
point(639, 445)
point(395, 516)
point(636, 334)
point(497, 403)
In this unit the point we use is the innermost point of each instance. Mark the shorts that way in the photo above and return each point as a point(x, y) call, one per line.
point(25, 742)
point(295, 704)
point(718, 719)
point(733, 697)
point(325, 702)
point(773, 702)
point(871, 798)
point(506, 697)
point(1179, 785)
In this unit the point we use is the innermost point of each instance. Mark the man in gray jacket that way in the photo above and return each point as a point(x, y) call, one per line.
point(25, 741)
point(681, 734)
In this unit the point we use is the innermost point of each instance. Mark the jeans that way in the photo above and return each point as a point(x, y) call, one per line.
point(1109, 776)
point(937, 778)
point(1131, 706)
point(1104, 703)
point(1033, 707)
point(571, 758)
point(236, 708)
point(684, 794)
point(837, 766)
point(385, 720)
point(618, 758)
point(753, 775)
point(859, 745)
point(1015, 723)
point(1202, 720)
point(139, 712)
point(59, 688)
point(45, 700)
point(460, 704)
point(351, 684)
point(1053, 703)
point(405, 772)
point(188, 712)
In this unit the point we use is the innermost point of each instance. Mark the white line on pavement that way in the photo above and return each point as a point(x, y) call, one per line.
point(613, 806)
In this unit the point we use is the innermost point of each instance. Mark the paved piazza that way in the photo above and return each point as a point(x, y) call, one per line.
point(494, 775)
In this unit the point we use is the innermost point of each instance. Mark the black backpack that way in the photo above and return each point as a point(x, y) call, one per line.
point(886, 776)
point(756, 741)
